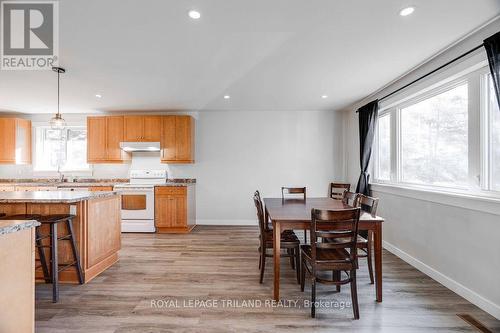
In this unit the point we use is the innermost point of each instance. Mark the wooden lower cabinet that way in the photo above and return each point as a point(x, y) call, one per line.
point(100, 188)
point(175, 209)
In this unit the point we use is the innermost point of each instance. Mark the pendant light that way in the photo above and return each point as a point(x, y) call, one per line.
point(58, 122)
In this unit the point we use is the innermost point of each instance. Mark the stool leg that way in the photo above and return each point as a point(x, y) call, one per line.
point(55, 266)
point(75, 251)
point(41, 255)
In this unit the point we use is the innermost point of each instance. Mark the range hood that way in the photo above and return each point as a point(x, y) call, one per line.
point(139, 146)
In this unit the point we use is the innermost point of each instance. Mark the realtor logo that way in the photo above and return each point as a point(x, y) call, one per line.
point(29, 35)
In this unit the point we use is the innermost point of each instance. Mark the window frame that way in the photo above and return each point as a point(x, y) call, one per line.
point(485, 129)
point(475, 73)
point(39, 172)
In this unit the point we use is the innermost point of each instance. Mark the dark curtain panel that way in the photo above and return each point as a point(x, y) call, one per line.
point(492, 46)
point(368, 116)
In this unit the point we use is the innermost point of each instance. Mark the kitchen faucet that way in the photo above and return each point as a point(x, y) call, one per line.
point(61, 175)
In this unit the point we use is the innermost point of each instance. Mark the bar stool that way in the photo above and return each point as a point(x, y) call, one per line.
point(55, 267)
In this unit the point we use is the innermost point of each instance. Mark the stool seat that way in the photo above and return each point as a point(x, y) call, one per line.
point(55, 218)
point(24, 217)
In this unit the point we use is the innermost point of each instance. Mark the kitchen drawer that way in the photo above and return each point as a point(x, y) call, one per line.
point(177, 190)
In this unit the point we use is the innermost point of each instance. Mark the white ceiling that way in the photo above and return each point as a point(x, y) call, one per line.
point(266, 54)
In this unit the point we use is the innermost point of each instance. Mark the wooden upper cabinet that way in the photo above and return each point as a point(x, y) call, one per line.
point(104, 135)
point(175, 134)
point(168, 144)
point(142, 128)
point(134, 128)
point(152, 129)
point(114, 135)
point(96, 139)
point(177, 139)
point(15, 141)
point(184, 135)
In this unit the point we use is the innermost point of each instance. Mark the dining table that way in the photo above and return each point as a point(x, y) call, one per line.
point(295, 214)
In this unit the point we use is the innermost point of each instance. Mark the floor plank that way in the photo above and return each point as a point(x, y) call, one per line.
point(221, 264)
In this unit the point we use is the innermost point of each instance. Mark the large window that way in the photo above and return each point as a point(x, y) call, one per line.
point(434, 134)
point(61, 150)
point(445, 136)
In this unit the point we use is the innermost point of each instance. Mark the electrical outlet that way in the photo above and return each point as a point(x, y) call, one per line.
point(72, 209)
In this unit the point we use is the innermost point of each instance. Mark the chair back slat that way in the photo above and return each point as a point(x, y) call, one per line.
point(368, 204)
point(293, 192)
point(350, 198)
point(342, 224)
point(339, 245)
point(332, 235)
point(337, 190)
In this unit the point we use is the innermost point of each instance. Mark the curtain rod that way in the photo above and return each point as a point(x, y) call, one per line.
point(431, 72)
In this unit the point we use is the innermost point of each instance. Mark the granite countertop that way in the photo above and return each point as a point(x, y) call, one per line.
point(87, 182)
point(169, 183)
point(52, 196)
point(10, 226)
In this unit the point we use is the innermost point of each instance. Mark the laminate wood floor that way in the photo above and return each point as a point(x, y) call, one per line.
point(220, 264)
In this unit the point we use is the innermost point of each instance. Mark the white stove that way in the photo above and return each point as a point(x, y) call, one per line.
point(138, 200)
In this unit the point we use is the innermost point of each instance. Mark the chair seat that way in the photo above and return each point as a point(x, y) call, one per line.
point(270, 228)
point(335, 259)
point(287, 239)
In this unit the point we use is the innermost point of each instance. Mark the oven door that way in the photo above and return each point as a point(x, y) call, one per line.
point(137, 203)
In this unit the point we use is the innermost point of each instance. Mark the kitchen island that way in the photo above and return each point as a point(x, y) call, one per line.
point(17, 249)
point(96, 226)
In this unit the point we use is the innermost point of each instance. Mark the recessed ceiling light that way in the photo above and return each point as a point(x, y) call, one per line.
point(98, 96)
point(407, 11)
point(227, 97)
point(194, 14)
point(324, 96)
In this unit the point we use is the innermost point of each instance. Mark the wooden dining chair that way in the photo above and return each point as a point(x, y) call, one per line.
point(294, 193)
point(337, 190)
point(332, 256)
point(350, 198)
point(365, 240)
point(267, 225)
point(289, 241)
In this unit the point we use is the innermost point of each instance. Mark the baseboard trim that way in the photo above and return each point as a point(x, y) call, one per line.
point(473, 297)
point(227, 222)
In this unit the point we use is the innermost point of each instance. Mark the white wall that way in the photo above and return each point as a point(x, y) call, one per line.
point(457, 246)
point(239, 152)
